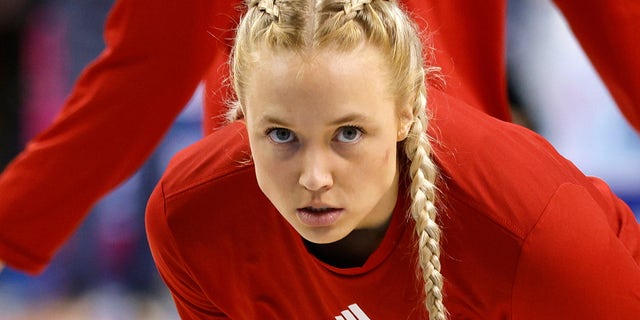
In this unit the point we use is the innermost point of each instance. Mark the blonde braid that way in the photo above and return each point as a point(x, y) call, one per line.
point(269, 7)
point(351, 7)
point(423, 173)
point(271, 23)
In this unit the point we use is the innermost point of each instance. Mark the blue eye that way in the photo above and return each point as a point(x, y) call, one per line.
point(349, 134)
point(280, 135)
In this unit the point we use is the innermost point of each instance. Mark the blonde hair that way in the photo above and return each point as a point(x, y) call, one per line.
point(343, 24)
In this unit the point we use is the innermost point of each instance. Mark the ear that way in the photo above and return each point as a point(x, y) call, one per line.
point(405, 120)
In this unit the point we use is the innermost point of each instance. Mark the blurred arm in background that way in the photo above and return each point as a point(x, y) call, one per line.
point(156, 54)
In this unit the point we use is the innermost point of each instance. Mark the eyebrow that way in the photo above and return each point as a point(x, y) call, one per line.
point(351, 117)
point(273, 120)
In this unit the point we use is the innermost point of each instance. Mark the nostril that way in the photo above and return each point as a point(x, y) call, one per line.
point(315, 182)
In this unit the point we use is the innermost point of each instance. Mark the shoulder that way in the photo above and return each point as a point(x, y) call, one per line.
point(223, 153)
point(581, 259)
point(497, 169)
point(209, 185)
point(212, 182)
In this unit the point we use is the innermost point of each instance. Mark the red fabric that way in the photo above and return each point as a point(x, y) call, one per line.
point(118, 111)
point(158, 51)
point(527, 238)
point(604, 29)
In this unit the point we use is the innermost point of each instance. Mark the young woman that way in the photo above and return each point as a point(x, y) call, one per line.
point(326, 199)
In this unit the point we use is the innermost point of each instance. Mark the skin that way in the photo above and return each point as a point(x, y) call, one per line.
point(323, 129)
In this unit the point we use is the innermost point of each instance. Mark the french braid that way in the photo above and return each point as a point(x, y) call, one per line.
point(343, 24)
point(422, 173)
point(269, 7)
point(352, 7)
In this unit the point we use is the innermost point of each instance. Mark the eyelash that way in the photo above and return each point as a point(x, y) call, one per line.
point(359, 128)
point(355, 126)
point(269, 130)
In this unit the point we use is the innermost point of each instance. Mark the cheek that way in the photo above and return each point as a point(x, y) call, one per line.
point(264, 167)
point(276, 177)
point(271, 184)
point(388, 157)
point(380, 162)
point(267, 172)
point(389, 161)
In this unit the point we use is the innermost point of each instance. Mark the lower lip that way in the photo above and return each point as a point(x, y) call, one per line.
point(323, 219)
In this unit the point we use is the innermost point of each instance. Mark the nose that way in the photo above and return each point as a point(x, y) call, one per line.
point(316, 173)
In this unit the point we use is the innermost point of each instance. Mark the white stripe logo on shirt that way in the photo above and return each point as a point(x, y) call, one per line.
point(353, 313)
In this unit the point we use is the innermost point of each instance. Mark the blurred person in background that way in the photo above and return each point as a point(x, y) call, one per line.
point(13, 15)
point(563, 96)
point(108, 257)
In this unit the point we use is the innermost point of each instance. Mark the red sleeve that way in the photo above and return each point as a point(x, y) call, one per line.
point(190, 301)
point(608, 32)
point(156, 54)
point(574, 266)
point(469, 42)
point(621, 219)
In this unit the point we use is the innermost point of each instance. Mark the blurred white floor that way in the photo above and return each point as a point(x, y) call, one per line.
point(101, 304)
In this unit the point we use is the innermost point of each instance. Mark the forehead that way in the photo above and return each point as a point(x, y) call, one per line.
point(317, 78)
point(329, 61)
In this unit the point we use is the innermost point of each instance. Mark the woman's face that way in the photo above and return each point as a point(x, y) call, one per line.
point(323, 130)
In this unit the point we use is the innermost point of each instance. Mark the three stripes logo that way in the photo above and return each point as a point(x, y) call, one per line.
point(353, 313)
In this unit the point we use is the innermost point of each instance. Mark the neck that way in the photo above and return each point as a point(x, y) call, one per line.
point(351, 251)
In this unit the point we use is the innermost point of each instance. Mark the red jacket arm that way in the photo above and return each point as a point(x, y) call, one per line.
point(156, 53)
point(607, 31)
point(574, 266)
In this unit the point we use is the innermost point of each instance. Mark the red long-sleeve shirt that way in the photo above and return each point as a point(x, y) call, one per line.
point(525, 236)
point(157, 52)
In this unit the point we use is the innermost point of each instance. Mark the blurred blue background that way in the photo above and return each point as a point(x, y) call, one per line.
point(105, 271)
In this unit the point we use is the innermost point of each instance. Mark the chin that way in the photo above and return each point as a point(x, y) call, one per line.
point(325, 236)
